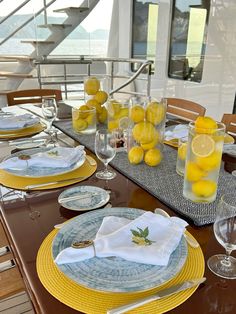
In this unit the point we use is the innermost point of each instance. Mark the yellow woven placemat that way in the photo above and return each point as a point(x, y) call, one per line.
point(80, 174)
point(94, 302)
point(21, 133)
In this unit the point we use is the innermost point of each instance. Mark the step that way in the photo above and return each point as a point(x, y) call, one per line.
point(35, 42)
point(15, 58)
point(13, 74)
point(54, 25)
point(65, 10)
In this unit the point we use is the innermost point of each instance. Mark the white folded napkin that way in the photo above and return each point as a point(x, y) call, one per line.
point(179, 131)
point(58, 157)
point(148, 239)
point(17, 122)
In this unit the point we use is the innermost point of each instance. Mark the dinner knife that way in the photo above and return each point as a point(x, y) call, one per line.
point(38, 185)
point(159, 295)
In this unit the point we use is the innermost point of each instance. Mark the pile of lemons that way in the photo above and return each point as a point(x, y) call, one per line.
point(145, 132)
point(118, 115)
point(83, 118)
point(205, 157)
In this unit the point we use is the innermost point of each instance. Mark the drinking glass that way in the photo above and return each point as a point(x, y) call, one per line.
point(105, 149)
point(49, 110)
point(181, 155)
point(224, 265)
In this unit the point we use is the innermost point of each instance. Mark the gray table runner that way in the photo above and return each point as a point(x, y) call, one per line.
point(163, 182)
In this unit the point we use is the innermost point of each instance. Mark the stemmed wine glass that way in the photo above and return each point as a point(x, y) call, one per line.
point(49, 110)
point(224, 265)
point(105, 149)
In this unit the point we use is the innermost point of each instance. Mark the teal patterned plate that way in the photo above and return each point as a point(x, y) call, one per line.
point(112, 274)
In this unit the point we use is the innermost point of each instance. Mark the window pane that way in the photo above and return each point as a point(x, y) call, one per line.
point(144, 32)
point(188, 39)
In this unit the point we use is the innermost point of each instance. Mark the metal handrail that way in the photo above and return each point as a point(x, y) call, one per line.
point(26, 22)
point(145, 64)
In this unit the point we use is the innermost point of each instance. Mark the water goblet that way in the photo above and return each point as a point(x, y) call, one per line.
point(105, 149)
point(224, 265)
point(49, 111)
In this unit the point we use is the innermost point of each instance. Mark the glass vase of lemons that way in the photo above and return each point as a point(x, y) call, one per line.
point(204, 152)
point(147, 125)
point(96, 95)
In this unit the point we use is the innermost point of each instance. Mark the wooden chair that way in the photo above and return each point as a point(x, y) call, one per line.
point(230, 122)
point(31, 96)
point(184, 109)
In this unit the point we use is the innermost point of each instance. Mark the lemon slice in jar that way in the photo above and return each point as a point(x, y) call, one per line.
point(203, 145)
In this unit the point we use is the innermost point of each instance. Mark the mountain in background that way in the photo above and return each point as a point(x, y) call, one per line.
point(31, 30)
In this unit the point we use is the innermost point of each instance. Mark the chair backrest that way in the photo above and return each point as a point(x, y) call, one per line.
point(230, 122)
point(31, 96)
point(184, 109)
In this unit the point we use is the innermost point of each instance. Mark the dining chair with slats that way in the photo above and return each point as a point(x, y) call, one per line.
point(31, 96)
point(184, 109)
point(230, 122)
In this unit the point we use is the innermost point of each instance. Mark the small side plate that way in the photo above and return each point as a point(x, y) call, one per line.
point(230, 149)
point(100, 198)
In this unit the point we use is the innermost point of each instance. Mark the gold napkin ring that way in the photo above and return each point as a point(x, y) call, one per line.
point(82, 244)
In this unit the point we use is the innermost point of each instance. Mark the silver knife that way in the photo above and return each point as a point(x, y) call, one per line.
point(160, 294)
point(39, 185)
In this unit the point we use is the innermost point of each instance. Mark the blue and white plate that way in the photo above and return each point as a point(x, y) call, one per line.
point(38, 172)
point(230, 149)
point(112, 274)
point(98, 197)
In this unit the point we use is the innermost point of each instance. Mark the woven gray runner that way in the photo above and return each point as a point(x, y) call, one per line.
point(163, 182)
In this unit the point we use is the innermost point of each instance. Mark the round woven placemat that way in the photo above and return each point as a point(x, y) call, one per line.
point(80, 174)
point(94, 302)
point(22, 133)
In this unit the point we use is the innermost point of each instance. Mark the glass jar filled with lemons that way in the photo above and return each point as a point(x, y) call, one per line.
point(84, 119)
point(96, 95)
point(147, 126)
point(204, 152)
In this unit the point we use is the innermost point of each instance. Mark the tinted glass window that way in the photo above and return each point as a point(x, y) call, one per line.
point(188, 39)
point(144, 30)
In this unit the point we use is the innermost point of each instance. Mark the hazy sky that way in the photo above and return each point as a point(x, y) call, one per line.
point(99, 17)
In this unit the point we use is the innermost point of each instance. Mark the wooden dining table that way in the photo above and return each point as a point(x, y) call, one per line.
point(29, 216)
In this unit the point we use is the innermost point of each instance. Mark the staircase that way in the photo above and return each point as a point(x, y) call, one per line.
point(24, 65)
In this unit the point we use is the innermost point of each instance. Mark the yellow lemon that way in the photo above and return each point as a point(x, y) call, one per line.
point(94, 104)
point(82, 112)
point(228, 139)
point(137, 114)
point(91, 86)
point(102, 117)
point(205, 125)
point(113, 107)
point(101, 97)
point(203, 145)
point(144, 132)
point(90, 119)
point(124, 112)
point(182, 151)
point(153, 143)
point(80, 124)
point(155, 113)
point(153, 157)
point(193, 172)
point(113, 124)
point(204, 188)
point(124, 123)
point(210, 162)
point(135, 155)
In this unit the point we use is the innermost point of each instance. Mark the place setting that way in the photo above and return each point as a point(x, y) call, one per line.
point(116, 255)
point(46, 168)
point(15, 126)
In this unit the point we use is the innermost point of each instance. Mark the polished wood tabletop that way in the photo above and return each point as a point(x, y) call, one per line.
point(28, 217)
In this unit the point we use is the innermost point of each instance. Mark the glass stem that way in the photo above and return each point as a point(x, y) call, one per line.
point(226, 262)
point(106, 165)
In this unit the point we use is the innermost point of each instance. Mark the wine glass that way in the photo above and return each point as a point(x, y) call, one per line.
point(224, 265)
point(49, 110)
point(105, 149)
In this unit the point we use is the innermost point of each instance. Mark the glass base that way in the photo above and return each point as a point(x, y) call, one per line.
point(222, 267)
point(105, 175)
